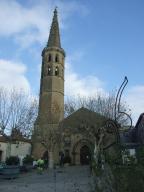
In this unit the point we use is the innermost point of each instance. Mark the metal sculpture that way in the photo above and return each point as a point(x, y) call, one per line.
point(113, 126)
point(118, 101)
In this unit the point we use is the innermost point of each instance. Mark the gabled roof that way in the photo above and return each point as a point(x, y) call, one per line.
point(134, 136)
point(83, 116)
point(140, 119)
point(139, 129)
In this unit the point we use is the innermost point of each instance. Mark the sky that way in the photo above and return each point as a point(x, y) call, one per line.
point(103, 41)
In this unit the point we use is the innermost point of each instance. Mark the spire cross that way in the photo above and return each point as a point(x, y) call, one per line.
point(55, 10)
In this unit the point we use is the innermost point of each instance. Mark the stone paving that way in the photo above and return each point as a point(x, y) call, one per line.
point(67, 179)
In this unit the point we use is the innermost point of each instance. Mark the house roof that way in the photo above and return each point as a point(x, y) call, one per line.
point(3, 139)
point(6, 138)
point(133, 137)
point(140, 119)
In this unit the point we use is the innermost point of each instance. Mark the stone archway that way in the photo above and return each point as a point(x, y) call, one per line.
point(82, 152)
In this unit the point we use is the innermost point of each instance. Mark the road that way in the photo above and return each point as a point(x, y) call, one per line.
point(67, 179)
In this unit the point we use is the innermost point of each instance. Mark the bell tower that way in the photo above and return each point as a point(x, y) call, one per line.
point(51, 102)
point(51, 98)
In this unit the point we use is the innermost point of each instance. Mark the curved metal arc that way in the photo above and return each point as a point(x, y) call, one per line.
point(119, 94)
point(128, 117)
point(125, 83)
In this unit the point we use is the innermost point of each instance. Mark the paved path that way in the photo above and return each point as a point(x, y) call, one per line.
point(68, 179)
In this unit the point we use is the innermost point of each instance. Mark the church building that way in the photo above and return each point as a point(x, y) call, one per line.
point(76, 146)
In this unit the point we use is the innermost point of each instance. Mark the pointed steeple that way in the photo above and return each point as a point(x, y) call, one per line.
point(54, 36)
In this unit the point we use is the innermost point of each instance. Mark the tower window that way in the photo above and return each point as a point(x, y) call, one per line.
point(56, 71)
point(49, 70)
point(57, 58)
point(49, 58)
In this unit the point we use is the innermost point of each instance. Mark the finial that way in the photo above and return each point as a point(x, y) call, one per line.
point(55, 10)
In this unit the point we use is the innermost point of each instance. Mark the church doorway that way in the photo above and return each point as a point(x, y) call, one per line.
point(82, 152)
point(85, 155)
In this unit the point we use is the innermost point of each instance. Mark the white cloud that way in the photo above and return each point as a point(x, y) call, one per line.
point(135, 99)
point(12, 75)
point(86, 86)
point(30, 24)
point(26, 24)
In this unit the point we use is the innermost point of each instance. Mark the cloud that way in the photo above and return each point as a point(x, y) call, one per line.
point(86, 86)
point(26, 24)
point(12, 75)
point(135, 99)
point(30, 24)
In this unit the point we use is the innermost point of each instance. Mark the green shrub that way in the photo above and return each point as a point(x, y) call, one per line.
point(28, 160)
point(140, 155)
point(12, 160)
point(129, 178)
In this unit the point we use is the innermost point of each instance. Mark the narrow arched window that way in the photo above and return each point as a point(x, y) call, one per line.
point(49, 58)
point(62, 73)
point(56, 71)
point(62, 59)
point(57, 59)
point(49, 70)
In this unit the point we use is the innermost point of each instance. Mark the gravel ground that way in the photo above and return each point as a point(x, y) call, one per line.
point(67, 179)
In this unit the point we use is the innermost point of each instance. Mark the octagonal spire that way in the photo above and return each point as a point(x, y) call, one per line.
point(54, 36)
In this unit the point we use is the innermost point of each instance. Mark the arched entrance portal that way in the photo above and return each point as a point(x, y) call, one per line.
point(85, 155)
point(82, 152)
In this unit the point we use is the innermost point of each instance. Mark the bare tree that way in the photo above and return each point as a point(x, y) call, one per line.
point(49, 141)
point(50, 136)
point(5, 110)
point(104, 105)
point(18, 110)
point(23, 112)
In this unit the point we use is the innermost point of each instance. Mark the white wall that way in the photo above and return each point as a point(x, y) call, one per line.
point(132, 152)
point(21, 149)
